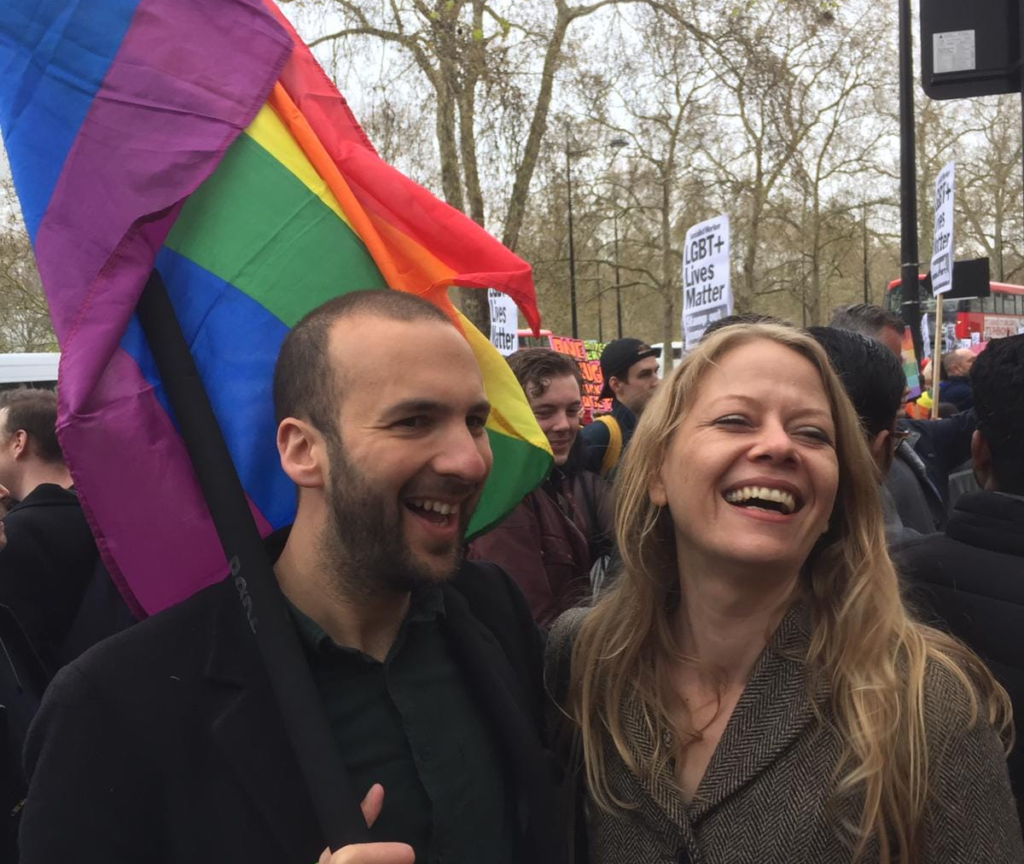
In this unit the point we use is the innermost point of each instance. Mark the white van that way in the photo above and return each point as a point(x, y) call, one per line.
point(677, 355)
point(28, 370)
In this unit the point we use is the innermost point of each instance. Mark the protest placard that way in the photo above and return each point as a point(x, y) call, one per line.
point(942, 260)
point(587, 356)
point(942, 236)
point(707, 293)
point(504, 322)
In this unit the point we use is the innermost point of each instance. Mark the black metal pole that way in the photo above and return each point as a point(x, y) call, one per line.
point(305, 720)
point(867, 277)
point(600, 321)
point(572, 245)
point(910, 309)
point(618, 285)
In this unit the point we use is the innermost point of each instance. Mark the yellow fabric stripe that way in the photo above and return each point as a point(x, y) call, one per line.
point(272, 135)
point(510, 412)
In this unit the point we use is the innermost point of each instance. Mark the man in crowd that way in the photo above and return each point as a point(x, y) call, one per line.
point(971, 578)
point(931, 450)
point(549, 542)
point(956, 388)
point(874, 381)
point(50, 555)
point(872, 321)
point(630, 371)
point(165, 740)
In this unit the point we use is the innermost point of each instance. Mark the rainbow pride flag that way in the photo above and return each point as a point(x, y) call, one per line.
point(200, 138)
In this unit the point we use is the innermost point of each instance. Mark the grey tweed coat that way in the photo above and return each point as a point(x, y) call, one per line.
point(766, 797)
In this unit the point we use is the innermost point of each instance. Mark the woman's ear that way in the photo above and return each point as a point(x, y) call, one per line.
point(302, 452)
point(656, 491)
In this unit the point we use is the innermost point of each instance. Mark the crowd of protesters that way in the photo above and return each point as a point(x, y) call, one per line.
point(763, 611)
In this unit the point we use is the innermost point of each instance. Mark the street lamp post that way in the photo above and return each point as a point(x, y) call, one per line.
point(617, 144)
point(618, 284)
point(572, 247)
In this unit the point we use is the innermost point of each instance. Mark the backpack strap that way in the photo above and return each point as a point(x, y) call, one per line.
point(614, 449)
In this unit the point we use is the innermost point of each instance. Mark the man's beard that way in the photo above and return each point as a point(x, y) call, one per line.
point(363, 543)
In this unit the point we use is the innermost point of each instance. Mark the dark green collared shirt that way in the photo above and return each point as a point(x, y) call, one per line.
point(411, 725)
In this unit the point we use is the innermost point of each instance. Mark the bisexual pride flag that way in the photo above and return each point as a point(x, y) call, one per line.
point(201, 139)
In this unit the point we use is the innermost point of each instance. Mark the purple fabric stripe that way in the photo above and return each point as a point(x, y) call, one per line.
point(149, 494)
point(188, 77)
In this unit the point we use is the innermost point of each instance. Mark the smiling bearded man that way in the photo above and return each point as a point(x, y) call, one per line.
point(380, 412)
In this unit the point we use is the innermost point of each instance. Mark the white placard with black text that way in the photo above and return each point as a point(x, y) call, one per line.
point(504, 322)
point(942, 237)
point(707, 293)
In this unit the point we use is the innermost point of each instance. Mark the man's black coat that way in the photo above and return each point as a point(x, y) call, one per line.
point(163, 744)
point(44, 569)
point(970, 581)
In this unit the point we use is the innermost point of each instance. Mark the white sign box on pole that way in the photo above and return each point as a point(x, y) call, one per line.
point(942, 238)
point(707, 293)
point(504, 322)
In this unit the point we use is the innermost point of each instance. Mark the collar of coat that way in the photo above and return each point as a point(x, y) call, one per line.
point(776, 707)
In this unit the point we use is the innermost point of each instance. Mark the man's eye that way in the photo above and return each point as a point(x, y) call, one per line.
point(476, 423)
point(417, 422)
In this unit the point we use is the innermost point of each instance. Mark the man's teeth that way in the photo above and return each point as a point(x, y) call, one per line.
point(436, 506)
point(763, 493)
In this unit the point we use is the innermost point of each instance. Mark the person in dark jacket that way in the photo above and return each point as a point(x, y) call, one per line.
point(164, 741)
point(629, 368)
point(50, 554)
point(933, 449)
point(550, 541)
point(874, 381)
point(970, 580)
point(956, 386)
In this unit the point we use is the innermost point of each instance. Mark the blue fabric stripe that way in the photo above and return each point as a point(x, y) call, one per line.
point(54, 54)
point(235, 342)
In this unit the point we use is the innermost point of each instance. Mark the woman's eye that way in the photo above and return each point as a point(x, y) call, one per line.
point(732, 420)
point(815, 434)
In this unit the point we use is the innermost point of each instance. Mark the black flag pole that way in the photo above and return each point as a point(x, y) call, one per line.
point(910, 287)
point(313, 742)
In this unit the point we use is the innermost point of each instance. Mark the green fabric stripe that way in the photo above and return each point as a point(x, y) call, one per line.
point(518, 468)
point(255, 225)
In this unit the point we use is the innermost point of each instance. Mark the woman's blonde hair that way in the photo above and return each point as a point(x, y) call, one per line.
point(863, 645)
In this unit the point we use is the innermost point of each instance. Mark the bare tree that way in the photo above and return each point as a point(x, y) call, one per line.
point(467, 50)
point(24, 317)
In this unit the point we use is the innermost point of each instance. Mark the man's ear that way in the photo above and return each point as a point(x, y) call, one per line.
point(882, 450)
point(981, 457)
point(18, 443)
point(615, 383)
point(303, 453)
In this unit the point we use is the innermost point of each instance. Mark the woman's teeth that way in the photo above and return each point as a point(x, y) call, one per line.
point(762, 493)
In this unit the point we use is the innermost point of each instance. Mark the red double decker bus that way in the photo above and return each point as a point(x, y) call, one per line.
point(1000, 314)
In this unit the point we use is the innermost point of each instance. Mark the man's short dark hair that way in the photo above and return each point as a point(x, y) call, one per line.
point(35, 413)
point(305, 383)
point(870, 372)
point(997, 381)
point(742, 318)
point(535, 367)
point(866, 319)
